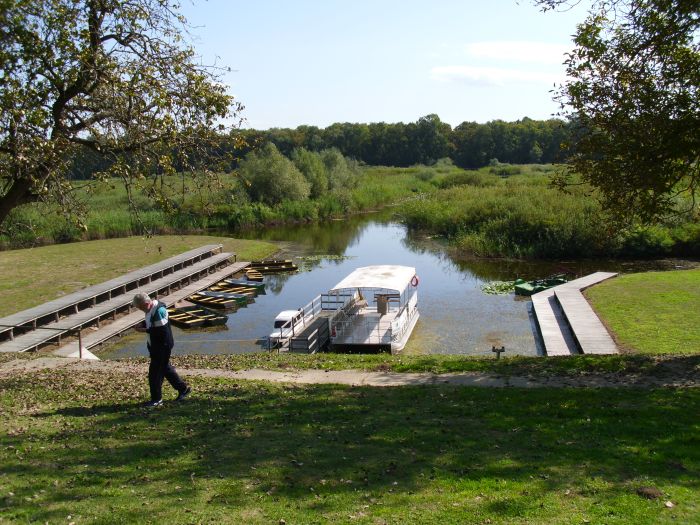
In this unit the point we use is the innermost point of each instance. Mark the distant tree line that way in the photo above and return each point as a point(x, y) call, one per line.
point(469, 145)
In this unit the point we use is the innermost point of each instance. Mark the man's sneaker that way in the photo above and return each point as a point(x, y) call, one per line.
point(182, 395)
point(153, 403)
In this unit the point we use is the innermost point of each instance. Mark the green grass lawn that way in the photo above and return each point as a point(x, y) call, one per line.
point(34, 276)
point(653, 312)
point(76, 448)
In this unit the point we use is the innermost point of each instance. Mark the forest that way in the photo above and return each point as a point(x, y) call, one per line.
point(470, 145)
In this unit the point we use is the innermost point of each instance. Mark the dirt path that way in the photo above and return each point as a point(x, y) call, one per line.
point(362, 378)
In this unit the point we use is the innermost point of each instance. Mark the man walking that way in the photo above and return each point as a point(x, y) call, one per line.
point(160, 343)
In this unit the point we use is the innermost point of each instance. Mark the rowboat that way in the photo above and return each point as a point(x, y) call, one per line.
point(184, 319)
point(253, 275)
point(240, 291)
point(260, 287)
point(241, 300)
point(213, 302)
point(274, 266)
point(527, 288)
point(195, 316)
point(271, 262)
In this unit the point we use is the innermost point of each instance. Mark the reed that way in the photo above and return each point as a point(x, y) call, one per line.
point(522, 216)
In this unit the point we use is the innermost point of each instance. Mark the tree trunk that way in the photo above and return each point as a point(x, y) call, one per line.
point(19, 193)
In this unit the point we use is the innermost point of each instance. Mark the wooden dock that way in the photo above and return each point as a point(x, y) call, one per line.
point(554, 330)
point(567, 323)
point(127, 322)
point(53, 321)
point(71, 304)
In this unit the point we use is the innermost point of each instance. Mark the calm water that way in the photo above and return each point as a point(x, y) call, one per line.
point(456, 316)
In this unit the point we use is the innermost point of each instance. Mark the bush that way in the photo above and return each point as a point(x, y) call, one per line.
point(505, 170)
point(470, 178)
point(425, 174)
point(311, 165)
point(342, 173)
point(272, 177)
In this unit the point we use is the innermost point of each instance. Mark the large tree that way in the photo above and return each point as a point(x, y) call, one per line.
point(113, 76)
point(632, 95)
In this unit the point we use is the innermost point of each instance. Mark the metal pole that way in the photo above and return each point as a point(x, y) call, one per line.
point(80, 344)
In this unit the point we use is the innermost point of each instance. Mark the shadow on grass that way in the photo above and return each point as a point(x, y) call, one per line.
point(237, 442)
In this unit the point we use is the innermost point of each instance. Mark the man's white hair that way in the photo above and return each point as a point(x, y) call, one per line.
point(141, 299)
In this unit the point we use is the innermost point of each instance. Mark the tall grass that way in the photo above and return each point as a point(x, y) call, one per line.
point(197, 209)
point(497, 211)
point(522, 216)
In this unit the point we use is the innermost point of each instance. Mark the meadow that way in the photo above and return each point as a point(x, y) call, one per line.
point(652, 312)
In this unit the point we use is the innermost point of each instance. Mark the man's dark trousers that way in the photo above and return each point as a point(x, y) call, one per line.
point(159, 369)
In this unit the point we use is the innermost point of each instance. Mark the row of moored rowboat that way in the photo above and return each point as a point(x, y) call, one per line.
point(228, 294)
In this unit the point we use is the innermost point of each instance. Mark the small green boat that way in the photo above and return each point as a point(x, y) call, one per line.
point(527, 288)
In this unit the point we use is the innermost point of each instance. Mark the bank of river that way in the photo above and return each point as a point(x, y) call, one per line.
point(456, 316)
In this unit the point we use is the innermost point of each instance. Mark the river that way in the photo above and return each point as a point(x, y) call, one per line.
point(457, 317)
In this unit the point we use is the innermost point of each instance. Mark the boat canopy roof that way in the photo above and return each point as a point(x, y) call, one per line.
point(387, 276)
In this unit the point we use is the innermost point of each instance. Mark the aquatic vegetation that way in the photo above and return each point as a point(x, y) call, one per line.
point(498, 287)
point(312, 262)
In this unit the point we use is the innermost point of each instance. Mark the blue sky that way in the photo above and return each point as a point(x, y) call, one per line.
point(318, 62)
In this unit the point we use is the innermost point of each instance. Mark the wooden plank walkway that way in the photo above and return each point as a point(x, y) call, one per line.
point(132, 319)
point(567, 323)
point(588, 330)
point(555, 332)
point(52, 332)
point(88, 297)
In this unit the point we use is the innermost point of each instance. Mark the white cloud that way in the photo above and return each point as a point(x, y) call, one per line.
point(506, 63)
point(519, 51)
point(493, 76)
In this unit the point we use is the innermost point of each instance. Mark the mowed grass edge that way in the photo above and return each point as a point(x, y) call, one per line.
point(75, 447)
point(652, 312)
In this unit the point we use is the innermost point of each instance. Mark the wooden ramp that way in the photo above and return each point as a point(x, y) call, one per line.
point(127, 322)
point(313, 338)
point(567, 323)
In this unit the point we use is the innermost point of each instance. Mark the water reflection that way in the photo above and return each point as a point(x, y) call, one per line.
point(456, 316)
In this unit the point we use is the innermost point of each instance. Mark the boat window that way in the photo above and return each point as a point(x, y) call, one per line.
point(280, 324)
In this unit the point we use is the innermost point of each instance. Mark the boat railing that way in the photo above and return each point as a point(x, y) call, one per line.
point(323, 302)
point(402, 321)
point(343, 317)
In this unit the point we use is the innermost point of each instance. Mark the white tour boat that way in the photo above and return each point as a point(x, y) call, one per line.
point(383, 312)
point(374, 308)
